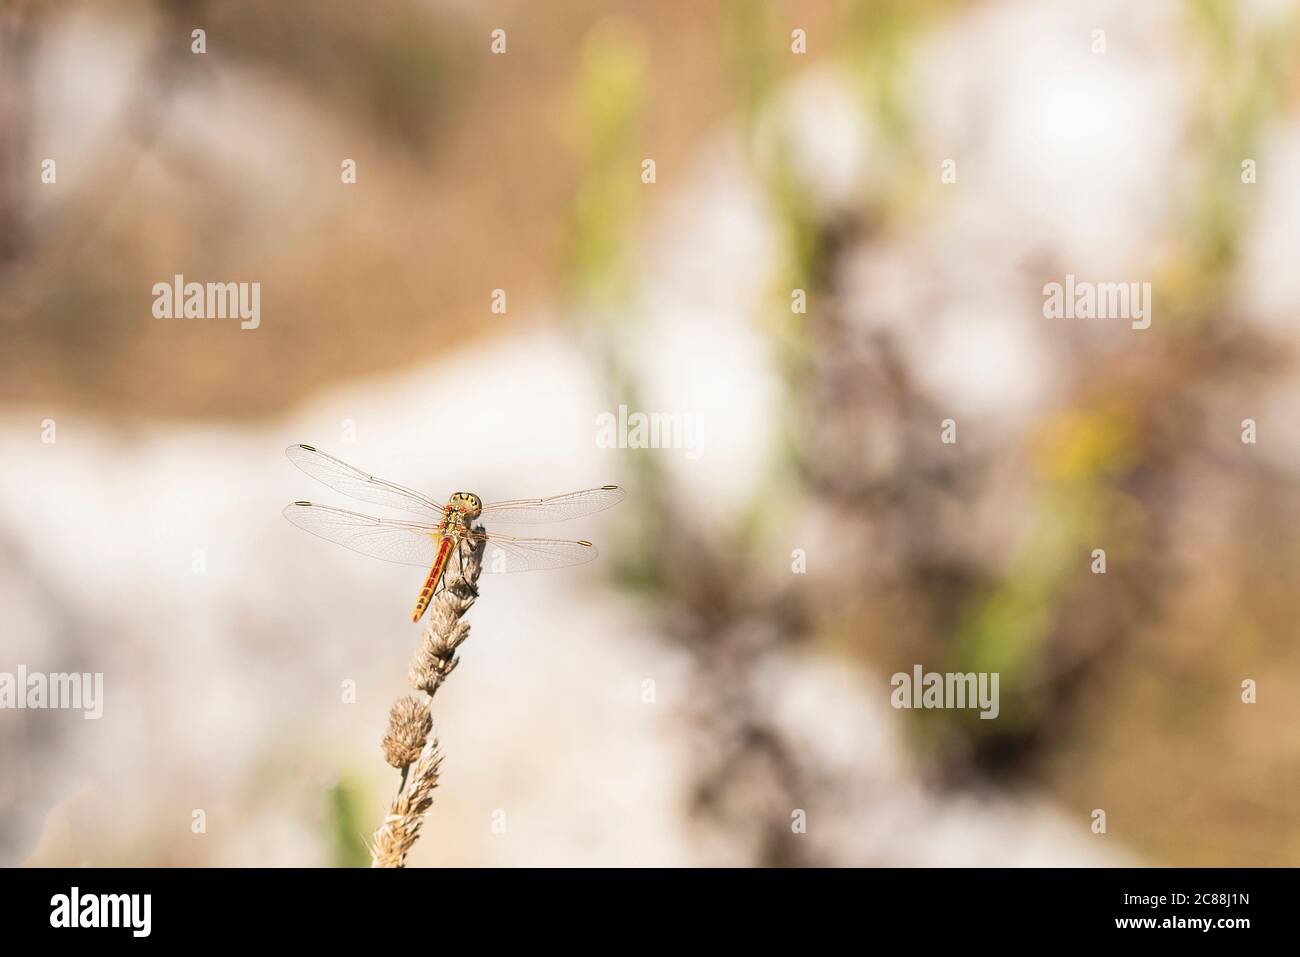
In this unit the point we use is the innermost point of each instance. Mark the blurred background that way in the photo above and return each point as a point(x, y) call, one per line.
point(722, 671)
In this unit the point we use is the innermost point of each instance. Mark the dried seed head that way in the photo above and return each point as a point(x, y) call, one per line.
point(409, 724)
point(408, 745)
point(436, 656)
point(397, 835)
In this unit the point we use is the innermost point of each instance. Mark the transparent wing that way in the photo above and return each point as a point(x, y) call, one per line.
point(355, 483)
point(504, 553)
point(393, 540)
point(558, 508)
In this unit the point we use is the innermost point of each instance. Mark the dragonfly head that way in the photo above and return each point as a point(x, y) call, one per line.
point(469, 504)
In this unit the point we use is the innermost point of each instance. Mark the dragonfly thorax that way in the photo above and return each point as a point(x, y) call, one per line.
point(468, 504)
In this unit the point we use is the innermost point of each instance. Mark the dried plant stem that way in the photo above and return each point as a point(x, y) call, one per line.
point(409, 744)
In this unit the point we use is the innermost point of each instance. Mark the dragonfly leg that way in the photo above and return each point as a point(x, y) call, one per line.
point(462, 586)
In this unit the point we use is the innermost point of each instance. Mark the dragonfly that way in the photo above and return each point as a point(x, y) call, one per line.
point(442, 529)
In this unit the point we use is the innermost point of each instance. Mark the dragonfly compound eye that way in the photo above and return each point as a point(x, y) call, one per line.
point(470, 504)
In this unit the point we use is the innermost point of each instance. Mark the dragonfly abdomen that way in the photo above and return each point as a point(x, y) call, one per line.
point(430, 583)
